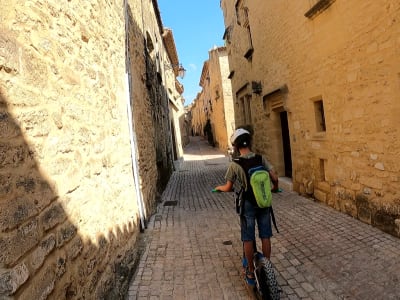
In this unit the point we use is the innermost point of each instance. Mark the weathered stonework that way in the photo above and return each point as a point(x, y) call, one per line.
point(215, 102)
point(72, 200)
point(222, 115)
point(198, 115)
point(321, 77)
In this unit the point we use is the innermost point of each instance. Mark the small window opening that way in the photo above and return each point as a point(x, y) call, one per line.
point(149, 43)
point(322, 174)
point(319, 116)
point(265, 104)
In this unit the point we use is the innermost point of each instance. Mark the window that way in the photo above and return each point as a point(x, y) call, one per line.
point(242, 17)
point(266, 106)
point(248, 115)
point(322, 163)
point(319, 116)
point(246, 108)
point(238, 6)
point(228, 34)
point(149, 43)
point(243, 98)
point(216, 95)
point(245, 16)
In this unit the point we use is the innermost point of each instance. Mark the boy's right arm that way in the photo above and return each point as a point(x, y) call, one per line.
point(227, 187)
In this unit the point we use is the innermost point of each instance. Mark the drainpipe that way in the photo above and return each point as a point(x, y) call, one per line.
point(133, 143)
point(171, 143)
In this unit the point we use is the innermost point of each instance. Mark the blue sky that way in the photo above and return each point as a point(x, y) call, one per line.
point(197, 26)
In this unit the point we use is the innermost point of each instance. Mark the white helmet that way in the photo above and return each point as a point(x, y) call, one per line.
point(237, 133)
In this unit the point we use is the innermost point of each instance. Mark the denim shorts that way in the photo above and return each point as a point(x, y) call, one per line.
point(248, 222)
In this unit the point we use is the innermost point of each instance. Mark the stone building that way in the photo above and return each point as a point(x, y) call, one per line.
point(187, 125)
point(174, 94)
point(85, 143)
point(215, 102)
point(319, 82)
point(199, 114)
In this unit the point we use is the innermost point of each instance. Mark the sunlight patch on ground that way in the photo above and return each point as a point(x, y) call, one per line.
point(191, 157)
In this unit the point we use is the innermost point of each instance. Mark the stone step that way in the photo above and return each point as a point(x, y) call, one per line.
point(285, 183)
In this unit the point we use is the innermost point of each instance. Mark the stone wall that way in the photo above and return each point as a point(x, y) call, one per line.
point(198, 116)
point(343, 59)
point(148, 101)
point(222, 117)
point(69, 215)
point(200, 113)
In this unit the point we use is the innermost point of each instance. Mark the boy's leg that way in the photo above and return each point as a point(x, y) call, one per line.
point(266, 247)
point(265, 231)
point(247, 224)
point(249, 252)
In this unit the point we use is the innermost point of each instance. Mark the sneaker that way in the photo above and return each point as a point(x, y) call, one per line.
point(244, 262)
point(249, 277)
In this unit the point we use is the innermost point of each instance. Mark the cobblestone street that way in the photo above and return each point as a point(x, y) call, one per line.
point(193, 248)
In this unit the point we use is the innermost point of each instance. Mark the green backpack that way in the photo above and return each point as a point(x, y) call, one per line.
point(261, 184)
point(258, 179)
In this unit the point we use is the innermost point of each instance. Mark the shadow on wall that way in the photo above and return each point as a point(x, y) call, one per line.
point(42, 251)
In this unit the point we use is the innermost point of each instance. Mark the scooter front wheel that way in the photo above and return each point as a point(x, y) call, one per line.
point(267, 283)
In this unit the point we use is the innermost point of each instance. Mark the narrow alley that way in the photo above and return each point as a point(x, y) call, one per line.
point(193, 248)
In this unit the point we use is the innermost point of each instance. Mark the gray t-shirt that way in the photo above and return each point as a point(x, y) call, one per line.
point(236, 174)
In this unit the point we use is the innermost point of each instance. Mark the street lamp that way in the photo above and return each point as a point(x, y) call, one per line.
point(176, 67)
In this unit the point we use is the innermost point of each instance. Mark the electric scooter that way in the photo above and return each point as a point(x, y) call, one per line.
point(266, 285)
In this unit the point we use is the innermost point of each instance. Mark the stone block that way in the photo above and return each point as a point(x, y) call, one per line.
point(6, 186)
point(65, 233)
point(42, 284)
point(349, 208)
point(12, 156)
point(324, 186)
point(16, 243)
point(8, 53)
point(74, 248)
point(320, 195)
point(397, 228)
point(363, 208)
point(12, 279)
point(44, 248)
point(8, 127)
point(384, 220)
point(52, 216)
point(35, 69)
point(371, 181)
point(15, 212)
point(27, 184)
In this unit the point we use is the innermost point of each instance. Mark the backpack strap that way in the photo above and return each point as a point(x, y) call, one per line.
point(247, 164)
point(273, 219)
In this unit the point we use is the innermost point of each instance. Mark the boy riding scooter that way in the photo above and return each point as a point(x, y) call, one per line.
point(250, 212)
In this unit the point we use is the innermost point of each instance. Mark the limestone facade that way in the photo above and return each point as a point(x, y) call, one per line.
point(174, 95)
point(319, 82)
point(215, 102)
point(198, 114)
point(84, 143)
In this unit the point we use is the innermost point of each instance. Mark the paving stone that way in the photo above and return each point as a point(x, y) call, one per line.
point(193, 249)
